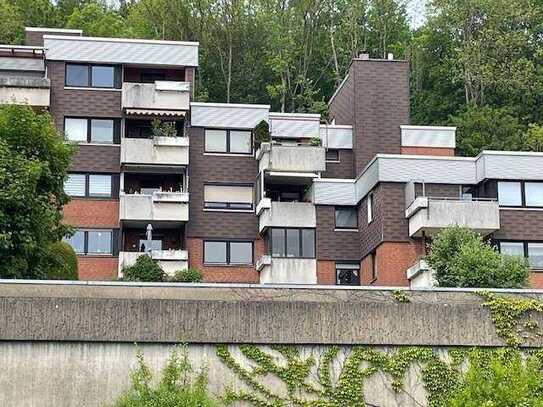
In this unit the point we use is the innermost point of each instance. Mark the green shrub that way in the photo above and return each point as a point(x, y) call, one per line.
point(145, 269)
point(315, 141)
point(501, 379)
point(461, 258)
point(176, 388)
point(190, 275)
point(261, 133)
point(163, 129)
point(61, 262)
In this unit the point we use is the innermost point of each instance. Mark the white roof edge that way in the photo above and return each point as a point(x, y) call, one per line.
point(337, 126)
point(296, 115)
point(341, 180)
point(126, 40)
point(230, 105)
point(50, 29)
point(498, 152)
point(451, 128)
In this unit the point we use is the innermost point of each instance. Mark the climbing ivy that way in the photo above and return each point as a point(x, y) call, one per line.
point(400, 296)
point(512, 317)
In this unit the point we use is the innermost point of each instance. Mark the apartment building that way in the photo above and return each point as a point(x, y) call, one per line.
point(351, 202)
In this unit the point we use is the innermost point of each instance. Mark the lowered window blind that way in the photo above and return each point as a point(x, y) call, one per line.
point(228, 194)
point(100, 185)
point(75, 185)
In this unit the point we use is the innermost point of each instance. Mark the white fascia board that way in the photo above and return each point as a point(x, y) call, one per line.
point(56, 30)
point(122, 40)
point(295, 116)
point(230, 105)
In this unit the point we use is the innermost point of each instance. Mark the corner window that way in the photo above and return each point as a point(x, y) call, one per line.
point(346, 217)
point(534, 193)
point(88, 130)
point(228, 141)
point(369, 204)
point(91, 242)
point(229, 197)
point(228, 252)
point(89, 185)
point(535, 255)
point(509, 193)
point(332, 155)
point(292, 242)
point(92, 76)
point(347, 274)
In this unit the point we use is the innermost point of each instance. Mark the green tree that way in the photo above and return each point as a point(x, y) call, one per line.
point(501, 379)
point(190, 275)
point(11, 24)
point(61, 262)
point(461, 258)
point(533, 138)
point(178, 386)
point(97, 20)
point(33, 164)
point(145, 269)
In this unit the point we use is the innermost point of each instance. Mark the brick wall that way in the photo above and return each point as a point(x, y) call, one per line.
point(213, 168)
point(341, 108)
point(343, 168)
point(428, 151)
point(95, 213)
point(536, 280)
point(96, 158)
point(326, 272)
point(520, 225)
point(332, 245)
point(392, 259)
point(97, 267)
point(223, 274)
point(35, 38)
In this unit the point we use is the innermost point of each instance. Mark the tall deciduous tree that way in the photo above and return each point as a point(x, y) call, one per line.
point(33, 164)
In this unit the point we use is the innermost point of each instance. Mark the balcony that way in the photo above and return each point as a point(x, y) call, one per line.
point(430, 215)
point(293, 159)
point(275, 270)
point(168, 98)
point(169, 260)
point(25, 91)
point(155, 207)
point(286, 214)
point(420, 275)
point(172, 151)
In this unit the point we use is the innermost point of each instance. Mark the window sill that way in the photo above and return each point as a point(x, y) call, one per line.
point(229, 210)
point(83, 143)
point(229, 265)
point(332, 162)
point(345, 230)
point(522, 208)
point(231, 155)
point(96, 255)
point(91, 88)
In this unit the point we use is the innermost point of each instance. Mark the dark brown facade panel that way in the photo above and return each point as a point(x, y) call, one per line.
point(96, 158)
point(331, 244)
point(341, 169)
point(214, 168)
point(342, 106)
point(381, 106)
point(81, 103)
point(35, 38)
point(520, 224)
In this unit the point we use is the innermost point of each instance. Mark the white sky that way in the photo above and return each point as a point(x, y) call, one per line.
point(415, 9)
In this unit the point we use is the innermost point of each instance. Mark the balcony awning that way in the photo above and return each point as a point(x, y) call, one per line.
point(152, 112)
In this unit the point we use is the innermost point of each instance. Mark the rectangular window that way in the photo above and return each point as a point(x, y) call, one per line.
point(99, 242)
point(77, 241)
point(534, 193)
point(535, 255)
point(292, 242)
point(101, 131)
point(347, 274)
point(75, 185)
point(369, 203)
point(228, 252)
point(232, 197)
point(512, 248)
point(89, 130)
point(346, 217)
point(228, 141)
point(509, 193)
point(89, 185)
point(91, 76)
point(75, 129)
point(332, 155)
point(92, 242)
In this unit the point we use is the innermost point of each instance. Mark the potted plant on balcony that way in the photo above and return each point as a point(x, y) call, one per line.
point(315, 142)
point(261, 133)
point(163, 129)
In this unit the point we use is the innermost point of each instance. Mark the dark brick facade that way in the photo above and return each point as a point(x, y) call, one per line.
point(35, 38)
point(331, 244)
point(96, 158)
point(214, 168)
point(342, 169)
point(520, 224)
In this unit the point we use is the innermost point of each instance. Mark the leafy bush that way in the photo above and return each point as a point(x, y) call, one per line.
point(145, 269)
point(500, 380)
point(163, 129)
point(261, 133)
point(176, 388)
point(190, 275)
point(315, 141)
point(461, 258)
point(61, 262)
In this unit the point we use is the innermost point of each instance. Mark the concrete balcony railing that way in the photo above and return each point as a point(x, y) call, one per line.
point(278, 270)
point(156, 151)
point(160, 206)
point(25, 91)
point(158, 96)
point(286, 214)
point(420, 275)
point(308, 159)
point(169, 260)
point(430, 215)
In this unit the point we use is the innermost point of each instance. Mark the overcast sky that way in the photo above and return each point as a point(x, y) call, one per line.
point(415, 8)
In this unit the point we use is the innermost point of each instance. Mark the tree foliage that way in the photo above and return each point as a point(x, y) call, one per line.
point(461, 258)
point(33, 164)
point(145, 269)
point(61, 262)
point(190, 275)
